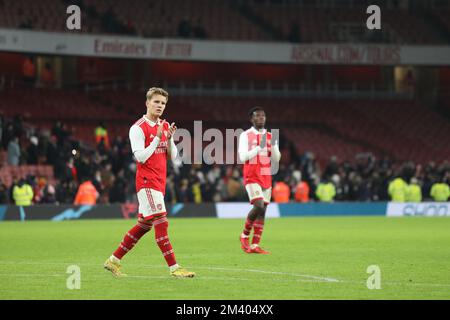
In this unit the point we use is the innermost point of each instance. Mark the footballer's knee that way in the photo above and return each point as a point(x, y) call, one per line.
point(259, 207)
point(262, 212)
point(143, 221)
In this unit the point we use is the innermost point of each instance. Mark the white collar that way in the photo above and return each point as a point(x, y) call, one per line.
point(257, 131)
point(150, 122)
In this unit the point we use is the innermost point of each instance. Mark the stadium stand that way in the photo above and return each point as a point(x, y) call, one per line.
point(137, 17)
point(344, 25)
point(227, 20)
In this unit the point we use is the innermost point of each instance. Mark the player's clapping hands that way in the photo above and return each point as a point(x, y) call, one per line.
point(160, 129)
point(263, 142)
point(172, 130)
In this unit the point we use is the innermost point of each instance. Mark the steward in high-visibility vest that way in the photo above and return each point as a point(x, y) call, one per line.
point(302, 192)
point(440, 192)
point(326, 192)
point(102, 134)
point(87, 194)
point(398, 190)
point(414, 191)
point(23, 194)
point(281, 192)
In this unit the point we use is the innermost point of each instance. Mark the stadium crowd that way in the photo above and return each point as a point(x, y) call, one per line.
point(111, 169)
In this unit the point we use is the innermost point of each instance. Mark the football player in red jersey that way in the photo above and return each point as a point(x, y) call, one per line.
point(257, 152)
point(151, 142)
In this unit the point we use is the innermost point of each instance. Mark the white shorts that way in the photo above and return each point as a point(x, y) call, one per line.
point(151, 204)
point(255, 192)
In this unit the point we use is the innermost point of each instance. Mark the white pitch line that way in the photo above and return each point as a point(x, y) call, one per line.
point(28, 275)
point(272, 272)
point(313, 278)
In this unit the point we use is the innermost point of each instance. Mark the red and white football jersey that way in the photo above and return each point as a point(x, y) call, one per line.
point(257, 168)
point(152, 173)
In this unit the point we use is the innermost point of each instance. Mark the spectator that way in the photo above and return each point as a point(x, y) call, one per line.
point(129, 27)
point(15, 182)
point(294, 33)
point(32, 151)
point(23, 194)
point(331, 168)
point(409, 81)
point(54, 156)
point(7, 134)
point(108, 20)
point(61, 133)
point(107, 176)
point(70, 172)
point(28, 24)
point(14, 152)
point(17, 124)
point(196, 191)
point(84, 168)
point(38, 190)
point(199, 31)
point(171, 191)
point(49, 194)
point(47, 76)
point(234, 186)
point(184, 28)
point(117, 194)
point(207, 192)
point(185, 193)
point(3, 193)
point(66, 191)
point(29, 71)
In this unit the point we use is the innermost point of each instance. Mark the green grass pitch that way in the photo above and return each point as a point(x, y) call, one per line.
point(312, 258)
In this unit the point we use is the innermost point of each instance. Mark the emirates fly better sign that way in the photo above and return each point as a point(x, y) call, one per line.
point(224, 51)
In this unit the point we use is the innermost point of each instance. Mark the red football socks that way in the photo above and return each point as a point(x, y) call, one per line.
point(258, 227)
point(248, 227)
point(131, 238)
point(162, 239)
